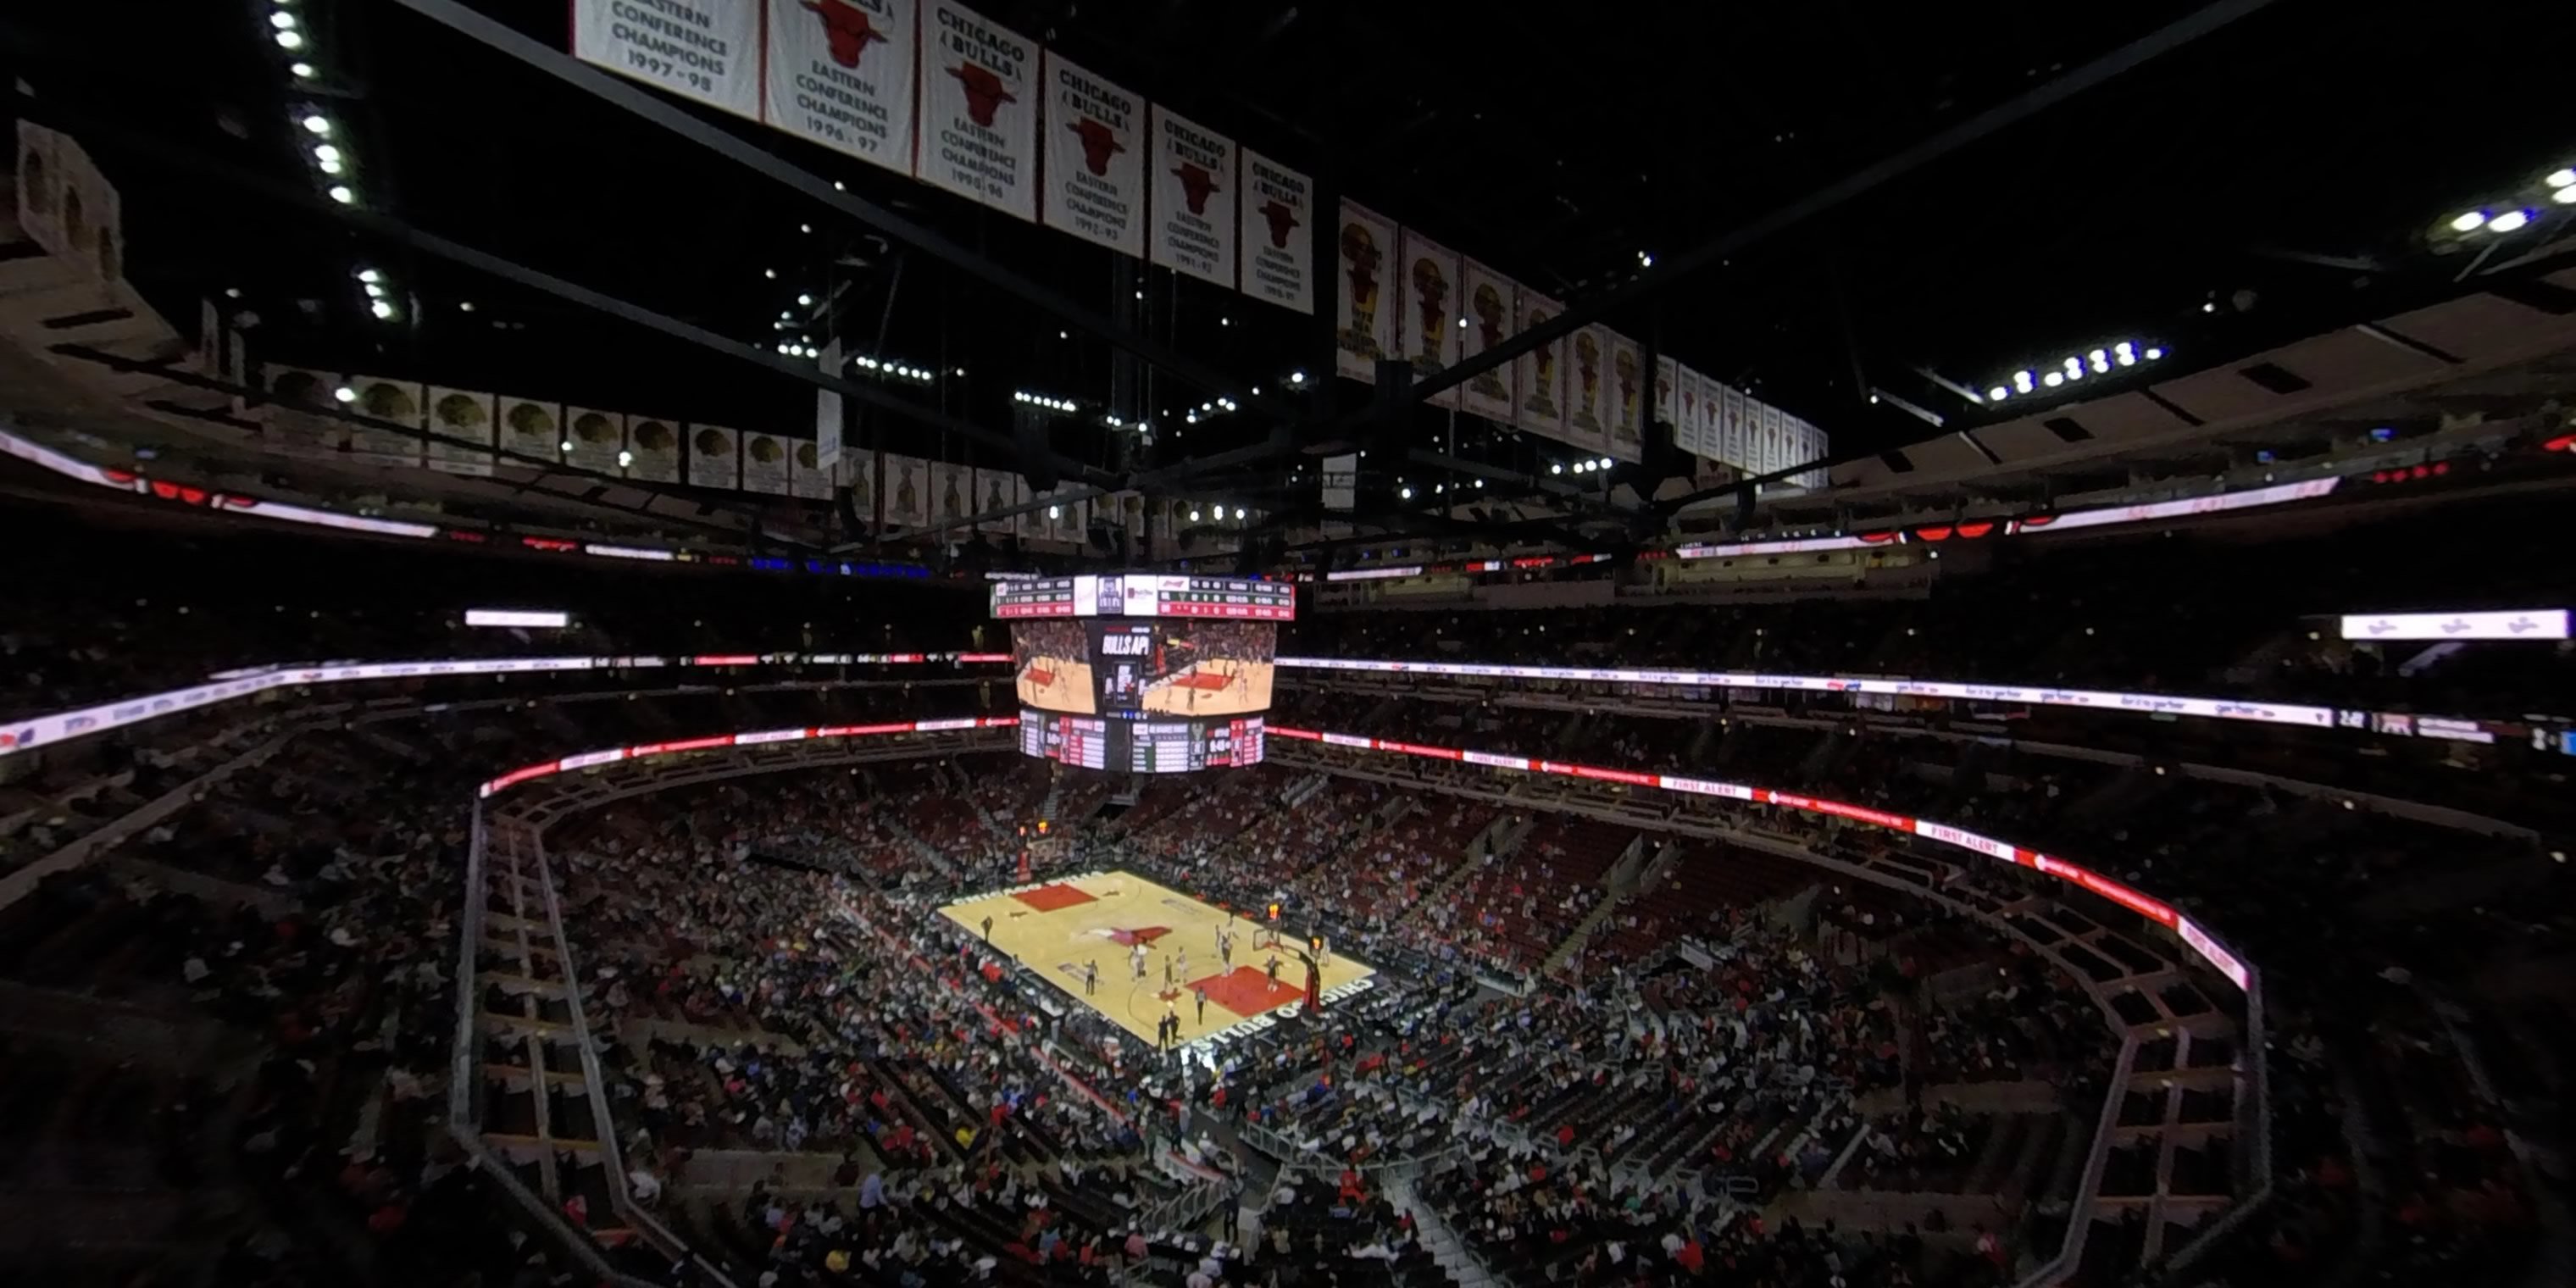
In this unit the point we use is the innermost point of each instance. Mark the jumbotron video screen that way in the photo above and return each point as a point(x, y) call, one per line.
point(1144, 673)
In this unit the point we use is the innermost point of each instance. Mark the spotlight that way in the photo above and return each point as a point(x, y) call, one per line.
point(2561, 180)
point(1605, 462)
point(340, 193)
point(2053, 379)
point(624, 458)
point(1194, 516)
point(317, 123)
point(370, 276)
point(1556, 469)
point(2021, 381)
point(1296, 377)
point(1997, 394)
point(567, 445)
point(1405, 493)
point(2509, 221)
point(2153, 354)
point(374, 292)
point(1055, 512)
point(1238, 512)
point(290, 40)
point(805, 300)
point(282, 20)
point(344, 394)
point(2468, 221)
point(2564, 196)
point(326, 153)
point(302, 71)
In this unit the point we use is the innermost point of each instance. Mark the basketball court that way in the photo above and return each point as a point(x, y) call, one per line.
point(1056, 684)
point(1216, 687)
point(1099, 918)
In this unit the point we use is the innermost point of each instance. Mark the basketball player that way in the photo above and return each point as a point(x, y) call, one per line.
point(1090, 978)
point(1202, 992)
point(1137, 956)
point(1274, 970)
point(1167, 972)
point(1225, 946)
point(1182, 966)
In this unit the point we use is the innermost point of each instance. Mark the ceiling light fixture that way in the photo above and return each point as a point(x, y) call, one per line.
point(2509, 221)
point(317, 123)
point(340, 193)
point(290, 40)
point(2468, 221)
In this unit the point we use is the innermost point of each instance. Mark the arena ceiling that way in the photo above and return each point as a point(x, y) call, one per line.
point(2266, 180)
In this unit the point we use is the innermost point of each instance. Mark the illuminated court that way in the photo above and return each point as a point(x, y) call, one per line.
point(1217, 687)
point(1056, 684)
point(1098, 919)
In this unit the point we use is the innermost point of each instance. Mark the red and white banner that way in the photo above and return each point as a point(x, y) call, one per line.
point(840, 73)
point(1095, 158)
point(1731, 436)
point(1623, 401)
point(1587, 390)
point(1277, 237)
point(1538, 377)
point(979, 110)
point(1487, 307)
point(1195, 200)
point(708, 51)
point(1364, 326)
point(1429, 285)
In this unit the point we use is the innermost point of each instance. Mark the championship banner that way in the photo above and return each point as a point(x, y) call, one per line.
point(709, 51)
point(1730, 428)
point(597, 437)
point(979, 111)
point(952, 490)
point(1689, 392)
point(1538, 377)
point(1095, 158)
point(401, 402)
point(999, 490)
point(907, 492)
point(1488, 310)
point(1364, 313)
point(858, 473)
point(463, 422)
point(1195, 200)
point(531, 428)
point(1276, 239)
point(1668, 380)
point(715, 457)
point(807, 475)
point(1587, 390)
point(1623, 401)
point(764, 464)
point(654, 446)
point(1430, 287)
point(840, 73)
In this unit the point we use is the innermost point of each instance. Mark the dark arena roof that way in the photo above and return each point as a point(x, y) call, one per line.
point(782, 643)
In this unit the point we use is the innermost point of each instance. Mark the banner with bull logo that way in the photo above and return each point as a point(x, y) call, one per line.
point(979, 111)
point(715, 457)
point(1095, 158)
point(840, 73)
point(1277, 236)
point(1690, 421)
point(1364, 312)
point(1668, 379)
point(707, 51)
point(1538, 377)
point(1774, 445)
point(1487, 307)
point(1587, 390)
point(1623, 400)
point(1194, 199)
point(1730, 426)
point(1430, 285)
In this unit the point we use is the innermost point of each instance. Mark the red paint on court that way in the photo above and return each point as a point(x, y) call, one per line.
point(1247, 992)
point(1050, 898)
point(1040, 676)
point(1202, 680)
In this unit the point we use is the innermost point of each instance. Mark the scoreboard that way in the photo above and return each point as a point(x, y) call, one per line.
point(1146, 595)
point(1142, 746)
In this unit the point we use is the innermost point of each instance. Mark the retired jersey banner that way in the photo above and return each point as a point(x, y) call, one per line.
point(1364, 313)
point(1774, 441)
point(1277, 238)
point(1538, 377)
point(840, 73)
point(1095, 158)
point(707, 50)
point(1587, 390)
point(979, 110)
point(1487, 308)
point(1431, 288)
point(1623, 401)
point(1730, 427)
point(1689, 388)
point(1194, 199)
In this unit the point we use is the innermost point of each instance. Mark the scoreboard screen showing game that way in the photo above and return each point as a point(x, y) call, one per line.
point(1144, 669)
point(1146, 595)
point(1142, 746)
